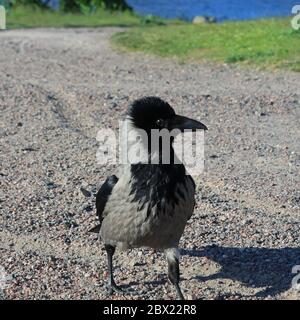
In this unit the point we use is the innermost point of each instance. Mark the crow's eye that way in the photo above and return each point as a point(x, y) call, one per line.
point(160, 123)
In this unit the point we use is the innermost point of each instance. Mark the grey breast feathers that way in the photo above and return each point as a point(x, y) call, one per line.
point(137, 222)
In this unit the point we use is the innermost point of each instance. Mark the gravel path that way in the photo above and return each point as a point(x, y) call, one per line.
point(59, 87)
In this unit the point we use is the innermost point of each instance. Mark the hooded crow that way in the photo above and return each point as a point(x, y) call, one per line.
point(149, 204)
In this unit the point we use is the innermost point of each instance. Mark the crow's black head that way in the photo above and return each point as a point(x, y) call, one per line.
point(150, 113)
point(154, 113)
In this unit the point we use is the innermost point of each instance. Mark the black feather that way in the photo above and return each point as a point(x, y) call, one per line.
point(146, 111)
point(103, 194)
point(163, 179)
point(85, 192)
point(102, 197)
point(96, 229)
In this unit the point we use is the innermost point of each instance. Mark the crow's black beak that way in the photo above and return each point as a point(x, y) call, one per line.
point(184, 123)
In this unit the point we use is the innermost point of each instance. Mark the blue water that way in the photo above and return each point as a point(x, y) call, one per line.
point(220, 9)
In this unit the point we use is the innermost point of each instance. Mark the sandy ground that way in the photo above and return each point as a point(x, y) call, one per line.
point(59, 87)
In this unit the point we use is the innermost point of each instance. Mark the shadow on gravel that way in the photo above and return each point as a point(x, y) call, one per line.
point(254, 267)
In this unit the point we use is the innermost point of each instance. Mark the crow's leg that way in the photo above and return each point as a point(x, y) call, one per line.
point(112, 287)
point(172, 255)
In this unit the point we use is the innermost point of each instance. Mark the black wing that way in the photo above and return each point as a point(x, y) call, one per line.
point(102, 197)
point(192, 180)
point(194, 185)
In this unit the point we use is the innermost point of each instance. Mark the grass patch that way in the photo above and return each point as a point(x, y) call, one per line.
point(267, 43)
point(33, 17)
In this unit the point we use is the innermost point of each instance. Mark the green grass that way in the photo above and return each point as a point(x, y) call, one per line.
point(33, 17)
point(268, 43)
